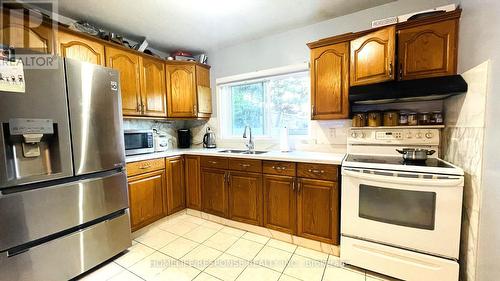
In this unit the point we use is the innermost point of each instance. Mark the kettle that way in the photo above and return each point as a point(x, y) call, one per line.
point(209, 139)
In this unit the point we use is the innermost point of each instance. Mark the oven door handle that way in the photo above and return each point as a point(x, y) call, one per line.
point(454, 182)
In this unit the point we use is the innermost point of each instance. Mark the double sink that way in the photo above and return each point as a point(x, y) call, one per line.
point(238, 151)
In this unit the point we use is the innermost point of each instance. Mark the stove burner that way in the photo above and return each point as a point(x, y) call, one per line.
point(393, 160)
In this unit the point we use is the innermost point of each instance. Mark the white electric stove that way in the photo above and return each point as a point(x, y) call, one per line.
point(400, 218)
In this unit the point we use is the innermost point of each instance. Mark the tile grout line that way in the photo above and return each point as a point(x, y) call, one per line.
point(283, 272)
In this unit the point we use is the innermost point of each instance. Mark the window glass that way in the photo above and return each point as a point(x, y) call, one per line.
point(267, 105)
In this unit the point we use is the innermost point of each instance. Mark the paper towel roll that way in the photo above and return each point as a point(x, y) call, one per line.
point(284, 140)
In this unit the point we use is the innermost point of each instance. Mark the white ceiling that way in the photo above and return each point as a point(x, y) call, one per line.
point(203, 25)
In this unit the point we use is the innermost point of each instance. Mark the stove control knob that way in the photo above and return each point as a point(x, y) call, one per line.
point(408, 135)
point(419, 135)
point(362, 135)
point(354, 134)
point(429, 135)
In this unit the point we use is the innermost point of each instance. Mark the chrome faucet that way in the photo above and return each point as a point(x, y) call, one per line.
point(250, 145)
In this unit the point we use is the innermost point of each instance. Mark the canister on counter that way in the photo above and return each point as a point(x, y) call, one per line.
point(412, 119)
point(359, 119)
point(374, 119)
point(403, 119)
point(437, 118)
point(424, 118)
point(391, 118)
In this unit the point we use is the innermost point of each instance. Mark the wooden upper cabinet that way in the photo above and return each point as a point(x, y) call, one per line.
point(318, 210)
point(204, 92)
point(279, 203)
point(330, 82)
point(214, 191)
point(154, 96)
point(146, 193)
point(193, 185)
point(373, 57)
point(176, 194)
point(428, 50)
point(76, 47)
point(26, 33)
point(181, 90)
point(128, 64)
point(245, 197)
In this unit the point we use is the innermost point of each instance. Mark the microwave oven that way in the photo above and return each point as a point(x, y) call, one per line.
point(138, 142)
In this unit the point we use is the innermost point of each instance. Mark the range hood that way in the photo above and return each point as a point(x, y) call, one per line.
point(434, 88)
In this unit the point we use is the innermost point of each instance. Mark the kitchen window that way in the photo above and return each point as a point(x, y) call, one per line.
point(266, 105)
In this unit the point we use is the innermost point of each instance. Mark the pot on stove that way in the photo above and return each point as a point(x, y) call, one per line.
point(415, 154)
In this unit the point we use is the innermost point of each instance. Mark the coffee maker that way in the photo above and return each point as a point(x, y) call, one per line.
point(184, 138)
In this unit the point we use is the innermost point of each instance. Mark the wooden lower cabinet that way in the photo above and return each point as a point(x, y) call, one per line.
point(176, 194)
point(317, 210)
point(245, 197)
point(146, 198)
point(279, 203)
point(214, 191)
point(192, 181)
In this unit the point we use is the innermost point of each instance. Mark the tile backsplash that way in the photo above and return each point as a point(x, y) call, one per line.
point(462, 145)
point(166, 127)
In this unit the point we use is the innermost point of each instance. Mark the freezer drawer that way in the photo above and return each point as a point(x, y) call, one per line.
point(70, 255)
point(30, 215)
point(395, 262)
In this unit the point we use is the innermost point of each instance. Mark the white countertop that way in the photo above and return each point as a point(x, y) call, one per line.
point(293, 156)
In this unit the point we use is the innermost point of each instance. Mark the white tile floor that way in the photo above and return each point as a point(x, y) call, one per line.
point(190, 248)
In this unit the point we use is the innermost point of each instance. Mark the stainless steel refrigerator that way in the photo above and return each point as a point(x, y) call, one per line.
point(63, 188)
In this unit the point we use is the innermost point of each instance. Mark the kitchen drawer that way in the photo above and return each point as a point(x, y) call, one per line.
point(141, 167)
point(247, 165)
point(214, 162)
point(279, 168)
point(317, 171)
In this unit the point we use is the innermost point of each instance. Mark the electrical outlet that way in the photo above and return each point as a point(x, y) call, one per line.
point(332, 133)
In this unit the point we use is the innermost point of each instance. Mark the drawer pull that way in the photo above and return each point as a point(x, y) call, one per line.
point(145, 167)
point(279, 168)
point(212, 162)
point(245, 165)
point(315, 171)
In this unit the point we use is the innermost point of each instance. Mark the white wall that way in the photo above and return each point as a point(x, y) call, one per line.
point(290, 48)
point(480, 41)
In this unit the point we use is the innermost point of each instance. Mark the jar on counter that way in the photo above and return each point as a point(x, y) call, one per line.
point(403, 119)
point(412, 119)
point(374, 119)
point(424, 118)
point(359, 119)
point(391, 118)
point(437, 118)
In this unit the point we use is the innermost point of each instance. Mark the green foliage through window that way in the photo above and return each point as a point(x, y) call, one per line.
point(268, 105)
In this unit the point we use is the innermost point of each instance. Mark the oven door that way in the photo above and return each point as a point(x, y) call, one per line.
point(415, 211)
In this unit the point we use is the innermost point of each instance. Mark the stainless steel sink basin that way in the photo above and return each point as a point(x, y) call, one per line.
point(239, 151)
point(254, 152)
point(232, 151)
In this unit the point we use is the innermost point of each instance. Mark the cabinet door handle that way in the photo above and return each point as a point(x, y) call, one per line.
point(142, 107)
point(293, 184)
point(138, 109)
point(279, 168)
point(194, 108)
point(315, 171)
point(390, 69)
point(401, 71)
point(298, 185)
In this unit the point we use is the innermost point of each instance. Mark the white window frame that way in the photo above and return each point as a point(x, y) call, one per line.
point(249, 78)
